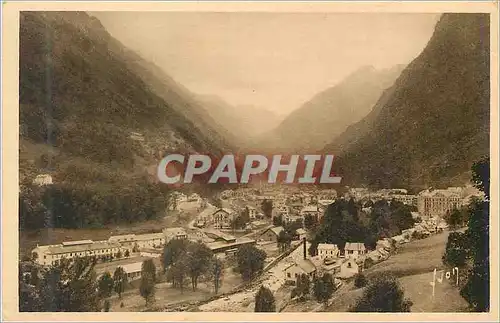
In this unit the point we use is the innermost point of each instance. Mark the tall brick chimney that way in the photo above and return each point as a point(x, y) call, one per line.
point(305, 248)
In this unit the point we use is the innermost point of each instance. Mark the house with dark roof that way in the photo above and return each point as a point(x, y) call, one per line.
point(271, 234)
point(299, 267)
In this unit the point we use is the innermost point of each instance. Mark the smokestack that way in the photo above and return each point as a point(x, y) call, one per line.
point(305, 248)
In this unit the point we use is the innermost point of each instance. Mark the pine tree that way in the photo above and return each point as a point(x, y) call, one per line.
point(120, 281)
point(148, 281)
point(105, 285)
point(264, 300)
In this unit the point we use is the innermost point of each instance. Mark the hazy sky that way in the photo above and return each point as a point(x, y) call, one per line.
point(273, 60)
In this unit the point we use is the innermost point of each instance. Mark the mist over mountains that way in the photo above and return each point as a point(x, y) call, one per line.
point(330, 112)
point(243, 122)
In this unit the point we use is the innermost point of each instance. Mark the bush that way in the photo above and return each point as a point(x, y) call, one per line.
point(360, 280)
point(383, 294)
point(369, 262)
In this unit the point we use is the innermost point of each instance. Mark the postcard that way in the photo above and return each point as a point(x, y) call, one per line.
point(250, 161)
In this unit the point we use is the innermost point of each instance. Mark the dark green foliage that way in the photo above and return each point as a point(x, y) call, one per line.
point(456, 251)
point(477, 289)
point(470, 250)
point(323, 288)
point(284, 240)
point(368, 263)
point(73, 206)
point(481, 175)
point(105, 285)
point(383, 294)
point(183, 258)
point(250, 261)
point(177, 273)
point(267, 208)
point(120, 281)
point(217, 273)
point(241, 220)
point(277, 221)
point(264, 300)
point(310, 221)
point(107, 305)
point(172, 251)
point(68, 287)
point(199, 258)
point(148, 281)
point(303, 287)
point(429, 127)
point(457, 218)
point(360, 280)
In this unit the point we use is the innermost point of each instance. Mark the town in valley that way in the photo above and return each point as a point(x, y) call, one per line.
point(278, 221)
point(397, 103)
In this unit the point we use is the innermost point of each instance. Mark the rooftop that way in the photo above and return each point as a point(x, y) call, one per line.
point(149, 236)
point(123, 237)
point(277, 230)
point(300, 231)
point(76, 243)
point(216, 234)
point(82, 247)
point(221, 244)
point(327, 246)
point(306, 265)
point(355, 246)
point(310, 208)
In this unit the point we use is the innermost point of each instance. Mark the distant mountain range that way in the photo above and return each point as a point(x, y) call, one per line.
point(243, 122)
point(433, 123)
point(330, 112)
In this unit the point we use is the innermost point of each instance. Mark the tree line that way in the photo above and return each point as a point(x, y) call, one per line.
point(67, 205)
point(469, 250)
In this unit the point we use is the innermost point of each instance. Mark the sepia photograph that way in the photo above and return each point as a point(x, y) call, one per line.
point(250, 161)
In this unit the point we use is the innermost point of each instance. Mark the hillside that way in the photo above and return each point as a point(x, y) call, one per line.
point(330, 112)
point(433, 123)
point(82, 93)
point(413, 264)
point(98, 118)
point(244, 122)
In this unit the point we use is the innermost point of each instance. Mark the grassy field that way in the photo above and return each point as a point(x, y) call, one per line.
point(414, 264)
point(167, 296)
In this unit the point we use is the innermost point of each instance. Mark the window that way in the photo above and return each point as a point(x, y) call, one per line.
point(349, 265)
point(295, 275)
point(44, 257)
point(288, 275)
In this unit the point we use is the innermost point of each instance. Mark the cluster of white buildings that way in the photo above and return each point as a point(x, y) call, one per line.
point(179, 201)
point(341, 264)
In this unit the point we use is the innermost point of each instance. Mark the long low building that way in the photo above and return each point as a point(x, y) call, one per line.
point(131, 266)
point(222, 246)
point(51, 255)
